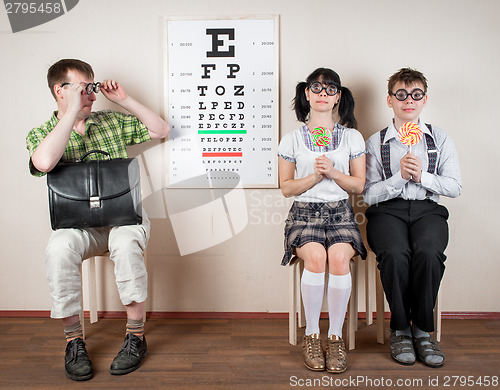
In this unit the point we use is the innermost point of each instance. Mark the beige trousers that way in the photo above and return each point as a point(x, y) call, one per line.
point(67, 248)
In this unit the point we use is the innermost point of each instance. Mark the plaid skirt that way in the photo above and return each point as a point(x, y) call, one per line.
point(326, 223)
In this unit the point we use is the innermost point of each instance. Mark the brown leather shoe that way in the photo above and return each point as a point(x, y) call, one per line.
point(336, 355)
point(314, 359)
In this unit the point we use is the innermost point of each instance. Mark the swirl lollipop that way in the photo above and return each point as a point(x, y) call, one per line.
point(321, 136)
point(410, 134)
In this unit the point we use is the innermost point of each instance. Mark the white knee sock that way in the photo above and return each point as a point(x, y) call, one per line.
point(339, 291)
point(313, 288)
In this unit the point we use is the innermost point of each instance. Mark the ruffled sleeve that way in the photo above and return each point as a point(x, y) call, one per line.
point(286, 148)
point(356, 143)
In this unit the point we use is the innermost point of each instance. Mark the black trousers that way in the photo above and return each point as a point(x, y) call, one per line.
point(409, 238)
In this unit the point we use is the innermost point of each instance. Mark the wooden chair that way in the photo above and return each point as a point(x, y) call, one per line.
point(374, 272)
point(296, 310)
point(369, 281)
point(91, 287)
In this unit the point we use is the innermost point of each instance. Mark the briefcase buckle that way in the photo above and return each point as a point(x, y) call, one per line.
point(95, 202)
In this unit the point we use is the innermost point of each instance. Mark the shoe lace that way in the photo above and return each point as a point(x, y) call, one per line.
point(77, 348)
point(313, 346)
point(336, 350)
point(130, 345)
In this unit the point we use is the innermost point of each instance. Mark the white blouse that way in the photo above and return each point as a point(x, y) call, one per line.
point(298, 148)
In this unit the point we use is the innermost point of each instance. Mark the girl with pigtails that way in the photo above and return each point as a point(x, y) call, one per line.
point(320, 164)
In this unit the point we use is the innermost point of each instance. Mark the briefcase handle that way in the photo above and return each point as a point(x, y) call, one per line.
point(93, 151)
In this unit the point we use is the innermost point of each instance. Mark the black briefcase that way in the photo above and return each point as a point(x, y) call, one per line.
point(95, 193)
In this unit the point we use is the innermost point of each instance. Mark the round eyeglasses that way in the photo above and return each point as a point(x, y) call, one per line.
point(402, 94)
point(317, 87)
point(89, 88)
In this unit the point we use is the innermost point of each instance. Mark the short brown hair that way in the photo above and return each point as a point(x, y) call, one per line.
point(57, 73)
point(408, 76)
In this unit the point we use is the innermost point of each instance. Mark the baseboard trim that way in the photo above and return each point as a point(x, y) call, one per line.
point(457, 315)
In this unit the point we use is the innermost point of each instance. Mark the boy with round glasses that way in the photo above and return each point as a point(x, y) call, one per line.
point(407, 228)
point(72, 131)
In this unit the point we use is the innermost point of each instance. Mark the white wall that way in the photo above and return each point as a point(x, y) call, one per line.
point(454, 42)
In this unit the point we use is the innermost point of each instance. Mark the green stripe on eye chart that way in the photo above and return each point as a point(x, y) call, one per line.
point(222, 131)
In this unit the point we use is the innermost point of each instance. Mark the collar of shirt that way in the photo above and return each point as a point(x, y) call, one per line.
point(393, 133)
point(53, 119)
point(91, 120)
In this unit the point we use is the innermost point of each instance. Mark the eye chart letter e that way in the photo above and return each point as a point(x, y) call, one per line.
point(221, 99)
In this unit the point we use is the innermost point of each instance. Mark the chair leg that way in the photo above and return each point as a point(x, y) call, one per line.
point(298, 299)
point(380, 308)
point(92, 289)
point(82, 316)
point(369, 280)
point(352, 312)
point(437, 318)
point(82, 322)
point(292, 321)
point(356, 292)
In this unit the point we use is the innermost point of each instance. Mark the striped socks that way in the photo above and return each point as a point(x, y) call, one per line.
point(136, 327)
point(73, 331)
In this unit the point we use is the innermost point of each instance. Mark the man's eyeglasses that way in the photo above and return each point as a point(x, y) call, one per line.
point(402, 94)
point(89, 88)
point(317, 87)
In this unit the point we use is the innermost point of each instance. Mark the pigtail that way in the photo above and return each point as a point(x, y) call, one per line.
point(300, 103)
point(346, 109)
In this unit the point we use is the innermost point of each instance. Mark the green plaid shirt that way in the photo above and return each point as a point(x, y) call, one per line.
point(110, 131)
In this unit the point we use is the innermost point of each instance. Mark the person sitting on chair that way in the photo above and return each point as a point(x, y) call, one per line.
point(320, 164)
point(72, 131)
point(407, 228)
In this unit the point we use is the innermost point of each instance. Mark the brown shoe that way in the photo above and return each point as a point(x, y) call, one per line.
point(314, 358)
point(336, 355)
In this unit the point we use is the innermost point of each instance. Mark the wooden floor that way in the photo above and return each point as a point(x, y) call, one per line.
point(238, 354)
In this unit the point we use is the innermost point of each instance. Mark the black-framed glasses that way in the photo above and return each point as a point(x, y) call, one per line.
point(317, 87)
point(89, 88)
point(402, 94)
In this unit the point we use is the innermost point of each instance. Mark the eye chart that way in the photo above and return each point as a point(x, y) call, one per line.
point(221, 100)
